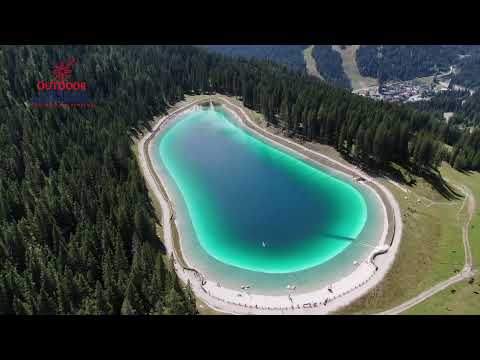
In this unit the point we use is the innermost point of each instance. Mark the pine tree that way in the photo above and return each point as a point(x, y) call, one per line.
point(128, 308)
point(190, 300)
point(158, 283)
point(359, 141)
point(102, 307)
point(174, 304)
point(380, 148)
point(45, 305)
point(284, 115)
point(476, 162)
point(21, 308)
point(342, 139)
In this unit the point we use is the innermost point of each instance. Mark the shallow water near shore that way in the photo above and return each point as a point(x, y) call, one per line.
point(248, 212)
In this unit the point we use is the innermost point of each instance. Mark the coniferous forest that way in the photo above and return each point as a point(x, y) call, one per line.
point(405, 62)
point(329, 64)
point(469, 73)
point(290, 55)
point(77, 231)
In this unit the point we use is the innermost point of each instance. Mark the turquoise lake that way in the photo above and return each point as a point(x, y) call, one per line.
point(249, 207)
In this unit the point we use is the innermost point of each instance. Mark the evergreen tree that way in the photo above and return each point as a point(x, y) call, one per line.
point(77, 232)
point(102, 307)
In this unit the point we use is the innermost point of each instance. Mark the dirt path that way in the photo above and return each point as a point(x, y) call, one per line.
point(466, 241)
point(467, 271)
point(312, 68)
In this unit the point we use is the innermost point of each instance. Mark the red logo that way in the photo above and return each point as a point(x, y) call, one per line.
point(62, 92)
point(63, 71)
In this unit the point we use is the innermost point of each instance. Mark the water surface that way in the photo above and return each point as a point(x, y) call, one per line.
point(252, 206)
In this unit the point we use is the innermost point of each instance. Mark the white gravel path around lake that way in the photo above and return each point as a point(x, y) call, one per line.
point(322, 301)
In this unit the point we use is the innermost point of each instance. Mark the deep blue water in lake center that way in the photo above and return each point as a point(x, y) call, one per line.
point(252, 206)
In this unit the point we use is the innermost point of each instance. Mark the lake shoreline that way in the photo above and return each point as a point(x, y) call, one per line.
point(228, 300)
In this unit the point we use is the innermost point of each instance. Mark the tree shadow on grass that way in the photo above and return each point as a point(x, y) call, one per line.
point(435, 179)
point(387, 170)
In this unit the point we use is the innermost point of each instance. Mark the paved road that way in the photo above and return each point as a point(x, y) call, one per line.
point(467, 271)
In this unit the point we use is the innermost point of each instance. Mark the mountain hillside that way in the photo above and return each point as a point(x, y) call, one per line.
point(290, 55)
point(353, 66)
point(405, 62)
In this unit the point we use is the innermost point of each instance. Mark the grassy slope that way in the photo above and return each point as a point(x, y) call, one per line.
point(431, 249)
point(311, 63)
point(350, 67)
point(463, 300)
point(472, 180)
